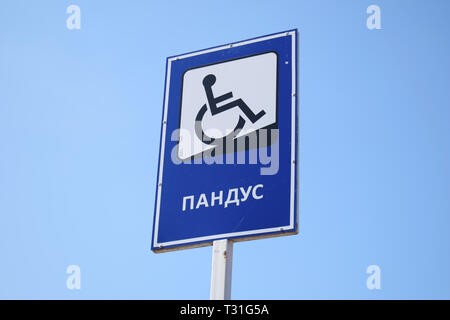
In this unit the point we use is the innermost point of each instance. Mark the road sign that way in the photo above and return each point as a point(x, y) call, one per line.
point(229, 144)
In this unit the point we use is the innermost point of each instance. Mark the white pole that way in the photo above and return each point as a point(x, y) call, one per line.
point(222, 261)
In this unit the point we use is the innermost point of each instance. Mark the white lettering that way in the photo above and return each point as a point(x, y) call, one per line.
point(191, 198)
point(236, 197)
point(245, 193)
point(214, 198)
point(254, 192)
point(202, 201)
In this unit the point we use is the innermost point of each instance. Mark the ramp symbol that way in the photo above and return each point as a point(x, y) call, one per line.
point(208, 82)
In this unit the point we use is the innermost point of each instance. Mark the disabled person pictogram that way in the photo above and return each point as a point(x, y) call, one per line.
point(208, 82)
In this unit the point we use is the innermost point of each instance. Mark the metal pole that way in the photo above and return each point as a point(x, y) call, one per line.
point(222, 261)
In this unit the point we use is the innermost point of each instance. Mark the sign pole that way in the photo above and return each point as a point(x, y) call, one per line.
point(222, 261)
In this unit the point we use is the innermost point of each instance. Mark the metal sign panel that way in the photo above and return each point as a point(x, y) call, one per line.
point(229, 144)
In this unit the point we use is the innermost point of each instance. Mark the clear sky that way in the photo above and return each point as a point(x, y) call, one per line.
point(80, 120)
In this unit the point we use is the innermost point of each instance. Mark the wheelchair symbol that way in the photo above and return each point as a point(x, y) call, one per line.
point(208, 82)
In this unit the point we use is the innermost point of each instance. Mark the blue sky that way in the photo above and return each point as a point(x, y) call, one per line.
point(80, 115)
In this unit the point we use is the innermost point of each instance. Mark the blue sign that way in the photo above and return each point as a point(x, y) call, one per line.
point(229, 144)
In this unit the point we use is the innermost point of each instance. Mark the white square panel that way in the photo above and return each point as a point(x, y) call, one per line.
point(253, 80)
